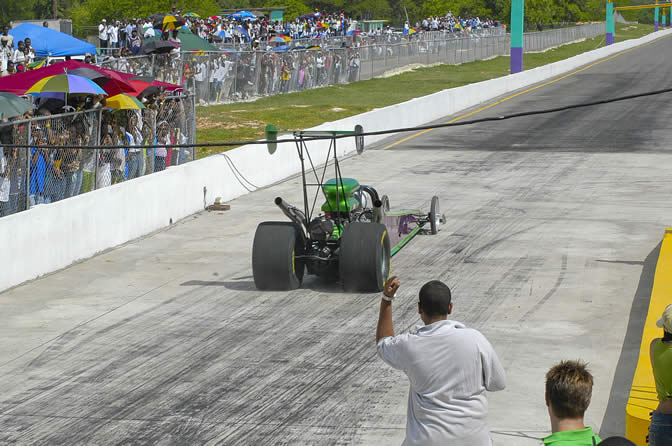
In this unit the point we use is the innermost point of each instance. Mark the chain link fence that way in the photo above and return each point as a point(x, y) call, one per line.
point(32, 176)
point(232, 75)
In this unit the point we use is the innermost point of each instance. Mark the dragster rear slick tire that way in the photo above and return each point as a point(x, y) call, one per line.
point(364, 260)
point(274, 263)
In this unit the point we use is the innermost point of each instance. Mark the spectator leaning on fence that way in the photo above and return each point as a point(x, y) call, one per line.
point(569, 387)
point(660, 430)
point(449, 367)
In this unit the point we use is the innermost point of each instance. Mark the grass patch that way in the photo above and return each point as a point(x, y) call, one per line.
point(247, 120)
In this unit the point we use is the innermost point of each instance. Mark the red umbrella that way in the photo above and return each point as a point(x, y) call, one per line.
point(141, 83)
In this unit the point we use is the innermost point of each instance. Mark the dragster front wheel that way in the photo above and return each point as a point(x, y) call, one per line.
point(274, 263)
point(364, 260)
point(434, 215)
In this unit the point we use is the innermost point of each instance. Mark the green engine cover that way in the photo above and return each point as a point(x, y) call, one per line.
point(345, 192)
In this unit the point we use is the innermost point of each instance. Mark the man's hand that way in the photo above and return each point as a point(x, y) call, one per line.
point(391, 286)
point(385, 327)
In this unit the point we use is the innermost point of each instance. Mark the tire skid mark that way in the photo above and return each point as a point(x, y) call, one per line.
point(551, 292)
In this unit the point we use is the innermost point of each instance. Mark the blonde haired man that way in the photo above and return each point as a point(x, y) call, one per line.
point(569, 387)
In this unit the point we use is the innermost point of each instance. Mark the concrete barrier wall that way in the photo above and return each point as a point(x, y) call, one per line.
point(643, 397)
point(52, 236)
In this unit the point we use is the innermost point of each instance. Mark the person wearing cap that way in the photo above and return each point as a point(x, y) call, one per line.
point(660, 430)
point(102, 33)
point(450, 367)
point(10, 38)
point(6, 55)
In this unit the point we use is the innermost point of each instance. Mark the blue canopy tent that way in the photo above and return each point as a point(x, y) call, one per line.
point(50, 43)
point(242, 15)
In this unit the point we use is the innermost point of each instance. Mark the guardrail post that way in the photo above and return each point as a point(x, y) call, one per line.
point(194, 149)
point(96, 153)
point(28, 159)
point(655, 17)
point(517, 11)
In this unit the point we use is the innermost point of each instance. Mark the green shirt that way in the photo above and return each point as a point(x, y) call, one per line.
point(583, 437)
point(662, 369)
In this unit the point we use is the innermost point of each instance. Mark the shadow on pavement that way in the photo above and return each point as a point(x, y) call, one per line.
point(613, 422)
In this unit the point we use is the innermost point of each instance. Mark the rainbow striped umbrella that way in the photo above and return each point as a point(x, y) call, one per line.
point(65, 83)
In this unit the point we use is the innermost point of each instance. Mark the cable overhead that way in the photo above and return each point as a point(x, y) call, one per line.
point(373, 133)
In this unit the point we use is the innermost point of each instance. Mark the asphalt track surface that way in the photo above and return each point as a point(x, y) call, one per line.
point(553, 224)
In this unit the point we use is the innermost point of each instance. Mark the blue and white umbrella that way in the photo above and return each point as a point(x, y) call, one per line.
point(242, 15)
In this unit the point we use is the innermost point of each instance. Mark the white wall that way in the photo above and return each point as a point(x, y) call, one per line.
point(53, 236)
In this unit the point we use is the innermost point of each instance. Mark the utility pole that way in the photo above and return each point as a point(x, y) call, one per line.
point(55, 5)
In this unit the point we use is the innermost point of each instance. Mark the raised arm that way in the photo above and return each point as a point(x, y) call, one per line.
point(385, 327)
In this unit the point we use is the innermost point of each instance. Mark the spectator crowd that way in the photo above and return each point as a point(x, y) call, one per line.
point(14, 60)
point(58, 173)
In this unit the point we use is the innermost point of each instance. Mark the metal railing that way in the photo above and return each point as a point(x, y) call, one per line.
point(31, 176)
point(364, 39)
point(230, 76)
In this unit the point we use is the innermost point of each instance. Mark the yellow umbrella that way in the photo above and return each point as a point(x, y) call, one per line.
point(124, 102)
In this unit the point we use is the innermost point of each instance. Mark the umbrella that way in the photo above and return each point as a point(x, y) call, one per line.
point(168, 22)
point(242, 15)
point(189, 42)
point(145, 86)
point(112, 83)
point(124, 102)
point(279, 39)
point(353, 32)
point(214, 17)
point(241, 30)
point(12, 105)
point(66, 83)
point(158, 47)
point(281, 48)
point(191, 14)
point(149, 91)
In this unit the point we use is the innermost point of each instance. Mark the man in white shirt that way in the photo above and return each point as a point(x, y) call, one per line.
point(102, 33)
point(449, 367)
point(113, 31)
point(6, 53)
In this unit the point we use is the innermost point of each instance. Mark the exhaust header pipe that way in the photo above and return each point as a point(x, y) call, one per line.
point(291, 212)
point(378, 215)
